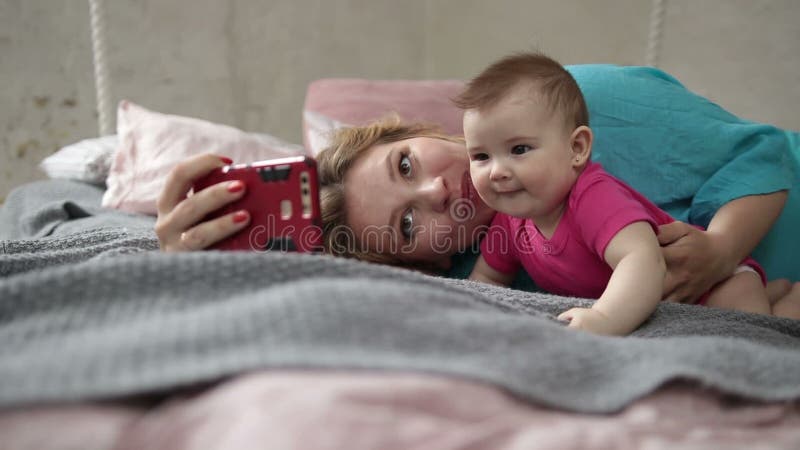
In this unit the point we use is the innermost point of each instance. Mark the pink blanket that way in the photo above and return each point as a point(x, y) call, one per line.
point(368, 410)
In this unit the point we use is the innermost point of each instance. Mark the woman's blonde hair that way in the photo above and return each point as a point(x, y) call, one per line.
point(346, 146)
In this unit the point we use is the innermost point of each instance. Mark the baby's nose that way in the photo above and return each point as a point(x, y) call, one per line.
point(499, 171)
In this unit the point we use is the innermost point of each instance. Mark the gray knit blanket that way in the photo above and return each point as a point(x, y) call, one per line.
point(89, 309)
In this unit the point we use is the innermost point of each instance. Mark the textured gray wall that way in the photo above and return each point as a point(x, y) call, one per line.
point(247, 62)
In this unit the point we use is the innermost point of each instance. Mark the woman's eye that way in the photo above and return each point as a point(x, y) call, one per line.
point(520, 149)
point(405, 165)
point(407, 224)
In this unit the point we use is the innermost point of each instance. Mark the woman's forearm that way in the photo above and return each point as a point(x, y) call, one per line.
point(740, 224)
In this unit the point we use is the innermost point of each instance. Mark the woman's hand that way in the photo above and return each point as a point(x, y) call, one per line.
point(179, 226)
point(695, 259)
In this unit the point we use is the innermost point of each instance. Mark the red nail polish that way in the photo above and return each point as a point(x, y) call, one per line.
point(240, 216)
point(235, 186)
point(226, 160)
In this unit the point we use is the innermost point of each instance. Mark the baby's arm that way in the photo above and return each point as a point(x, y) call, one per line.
point(635, 287)
point(484, 273)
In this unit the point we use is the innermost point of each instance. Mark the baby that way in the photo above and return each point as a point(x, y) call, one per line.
point(573, 227)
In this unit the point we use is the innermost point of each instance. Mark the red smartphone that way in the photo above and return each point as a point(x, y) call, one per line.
point(282, 197)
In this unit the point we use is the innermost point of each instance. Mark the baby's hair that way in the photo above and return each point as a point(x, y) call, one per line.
point(552, 80)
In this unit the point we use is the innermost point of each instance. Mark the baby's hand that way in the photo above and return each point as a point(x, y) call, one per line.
point(590, 320)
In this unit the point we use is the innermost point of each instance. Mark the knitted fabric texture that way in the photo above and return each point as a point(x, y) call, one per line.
point(83, 318)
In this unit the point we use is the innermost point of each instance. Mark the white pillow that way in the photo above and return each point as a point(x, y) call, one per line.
point(152, 143)
point(317, 130)
point(88, 160)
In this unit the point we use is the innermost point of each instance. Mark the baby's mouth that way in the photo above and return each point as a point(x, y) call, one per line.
point(506, 191)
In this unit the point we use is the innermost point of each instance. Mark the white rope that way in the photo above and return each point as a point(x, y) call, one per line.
point(101, 79)
point(655, 33)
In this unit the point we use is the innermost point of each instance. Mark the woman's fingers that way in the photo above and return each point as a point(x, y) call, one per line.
point(177, 226)
point(182, 229)
point(193, 209)
point(182, 176)
point(212, 231)
point(671, 232)
point(695, 263)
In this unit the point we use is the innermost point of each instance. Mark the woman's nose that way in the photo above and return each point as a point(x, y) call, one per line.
point(436, 194)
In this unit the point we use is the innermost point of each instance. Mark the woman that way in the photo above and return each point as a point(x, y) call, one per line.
point(396, 187)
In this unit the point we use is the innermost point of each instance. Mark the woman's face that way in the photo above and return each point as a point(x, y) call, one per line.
point(414, 198)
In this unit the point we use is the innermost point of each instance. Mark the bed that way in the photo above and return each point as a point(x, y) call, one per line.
point(110, 343)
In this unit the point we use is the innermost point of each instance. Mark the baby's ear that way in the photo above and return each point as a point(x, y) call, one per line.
point(581, 145)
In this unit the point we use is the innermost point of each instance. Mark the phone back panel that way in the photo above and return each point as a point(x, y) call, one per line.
point(282, 197)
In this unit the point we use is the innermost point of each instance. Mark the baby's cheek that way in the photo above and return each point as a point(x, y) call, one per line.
point(481, 185)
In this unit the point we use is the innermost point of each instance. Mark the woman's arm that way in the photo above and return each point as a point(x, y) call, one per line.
point(700, 164)
point(697, 260)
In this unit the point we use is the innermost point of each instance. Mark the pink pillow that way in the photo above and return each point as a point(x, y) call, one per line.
point(151, 144)
point(332, 102)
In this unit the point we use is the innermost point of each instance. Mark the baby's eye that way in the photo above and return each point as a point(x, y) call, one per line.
point(478, 157)
point(407, 224)
point(404, 166)
point(520, 149)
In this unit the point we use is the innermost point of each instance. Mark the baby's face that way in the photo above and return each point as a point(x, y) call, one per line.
point(521, 161)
